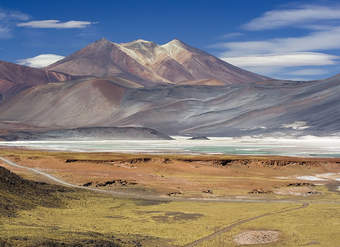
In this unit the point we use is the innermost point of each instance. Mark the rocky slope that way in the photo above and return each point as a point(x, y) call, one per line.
point(149, 63)
point(16, 78)
point(273, 107)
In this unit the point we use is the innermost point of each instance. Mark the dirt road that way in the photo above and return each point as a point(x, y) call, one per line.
point(132, 195)
point(230, 227)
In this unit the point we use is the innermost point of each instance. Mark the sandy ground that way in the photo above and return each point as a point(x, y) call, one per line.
point(202, 176)
point(256, 237)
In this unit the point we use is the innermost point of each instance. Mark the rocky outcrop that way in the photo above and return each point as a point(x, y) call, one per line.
point(299, 184)
point(199, 138)
point(116, 182)
point(259, 192)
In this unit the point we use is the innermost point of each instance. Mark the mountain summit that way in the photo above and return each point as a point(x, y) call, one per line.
point(148, 63)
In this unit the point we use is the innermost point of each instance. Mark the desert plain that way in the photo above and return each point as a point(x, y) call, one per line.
point(116, 199)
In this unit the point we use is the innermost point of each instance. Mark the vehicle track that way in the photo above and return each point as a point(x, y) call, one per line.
point(133, 195)
point(230, 227)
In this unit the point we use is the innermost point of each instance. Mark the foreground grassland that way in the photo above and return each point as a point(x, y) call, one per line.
point(89, 216)
point(316, 225)
point(38, 214)
point(175, 223)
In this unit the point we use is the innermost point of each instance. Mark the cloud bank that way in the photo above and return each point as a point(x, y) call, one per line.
point(40, 61)
point(273, 55)
point(287, 17)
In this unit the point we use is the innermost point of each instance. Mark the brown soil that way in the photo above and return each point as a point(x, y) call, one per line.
point(192, 176)
point(257, 237)
point(297, 191)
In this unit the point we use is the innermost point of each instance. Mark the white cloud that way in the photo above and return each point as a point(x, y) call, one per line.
point(299, 15)
point(281, 66)
point(283, 60)
point(16, 15)
point(13, 15)
point(318, 27)
point(271, 71)
point(320, 40)
point(277, 57)
point(7, 21)
point(304, 72)
point(232, 35)
point(40, 61)
point(55, 24)
point(4, 32)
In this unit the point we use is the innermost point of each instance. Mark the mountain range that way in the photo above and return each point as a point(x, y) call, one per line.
point(174, 88)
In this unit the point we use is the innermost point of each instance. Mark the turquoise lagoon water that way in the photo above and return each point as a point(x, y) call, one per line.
point(304, 146)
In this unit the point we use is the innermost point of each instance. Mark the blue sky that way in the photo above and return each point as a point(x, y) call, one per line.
point(282, 39)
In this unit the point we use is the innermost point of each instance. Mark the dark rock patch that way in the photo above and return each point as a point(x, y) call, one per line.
point(120, 182)
point(176, 216)
point(199, 138)
point(166, 160)
point(259, 192)
point(130, 161)
point(299, 184)
point(175, 193)
point(88, 184)
point(222, 162)
point(313, 193)
point(139, 160)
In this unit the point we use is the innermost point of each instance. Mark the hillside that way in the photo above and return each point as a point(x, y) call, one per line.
point(17, 193)
point(16, 78)
point(274, 107)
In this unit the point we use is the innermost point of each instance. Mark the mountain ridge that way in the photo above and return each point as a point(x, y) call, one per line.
point(148, 63)
point(15, 78)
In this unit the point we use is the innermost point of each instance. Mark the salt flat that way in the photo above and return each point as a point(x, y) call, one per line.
point(307, 146)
